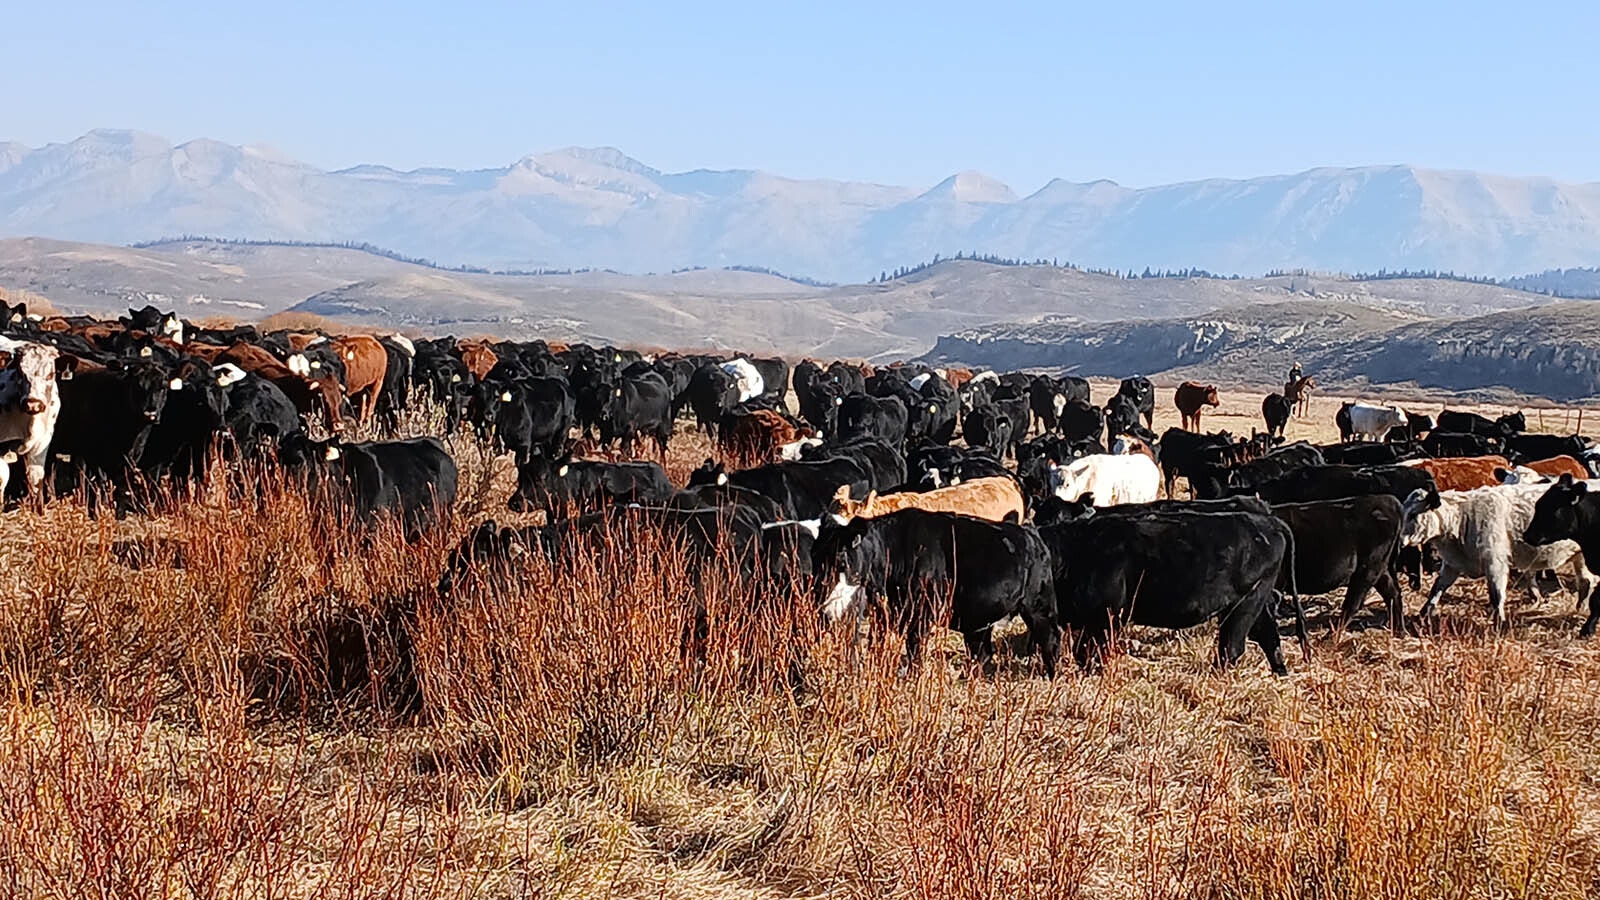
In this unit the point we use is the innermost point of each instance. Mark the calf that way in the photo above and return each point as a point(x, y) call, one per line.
point(1173, 569)
point(1480, 534)
point(1368, 421)
point(1143, 394)
point(535, 415)
point(913, 559)
point(996, 499)
point(1192, 398)
point(1112, 479)
point(1080, 421)
point(413, 479)
point(365, 363)
point(755, 436)
point(1569, 511)
point(1455, 422)
point(638, 406)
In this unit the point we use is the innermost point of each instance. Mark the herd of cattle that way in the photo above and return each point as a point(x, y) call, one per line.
point(1049, 508)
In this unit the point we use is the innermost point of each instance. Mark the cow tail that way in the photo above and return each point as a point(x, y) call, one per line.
point(1299, 610)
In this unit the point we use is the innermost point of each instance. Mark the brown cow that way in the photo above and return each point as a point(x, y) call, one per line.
point(1543, 470)
point(478, 357)
point(299, 340)
point(1462, 473)
point(1191, 399)
point(307, 394)
point(365, 362)
point(957, 377)
point(997, 499)
point(757, 436)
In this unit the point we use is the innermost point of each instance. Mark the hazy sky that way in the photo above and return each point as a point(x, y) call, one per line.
point(1141, 93)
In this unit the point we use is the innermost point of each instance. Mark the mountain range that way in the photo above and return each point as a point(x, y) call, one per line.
point(599, 208)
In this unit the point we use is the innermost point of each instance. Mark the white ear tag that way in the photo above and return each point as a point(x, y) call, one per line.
point(332, 454)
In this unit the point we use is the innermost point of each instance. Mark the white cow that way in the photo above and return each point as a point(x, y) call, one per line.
point(1478, 534)
point(1368, 421)
point(1112, 479)
point(30, 403)
point(747, 377)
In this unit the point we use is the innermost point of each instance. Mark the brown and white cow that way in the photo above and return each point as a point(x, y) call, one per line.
point(29, 407)
point(1191, 399)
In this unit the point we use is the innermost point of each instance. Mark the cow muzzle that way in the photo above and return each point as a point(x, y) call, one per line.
point(33, 405)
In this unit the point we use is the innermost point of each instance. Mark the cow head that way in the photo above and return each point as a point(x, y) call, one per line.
point(298, 452)
point(28, 375)
point(145, 387)
point(1511, 423)
point(1420, 527)
point(710, 472)
point(1055, 511)
point(847, 559)
point(1558, 515)
point(1211, 398)
point(542, 482)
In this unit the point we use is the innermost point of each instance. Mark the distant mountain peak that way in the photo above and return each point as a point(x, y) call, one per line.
point(973, 187)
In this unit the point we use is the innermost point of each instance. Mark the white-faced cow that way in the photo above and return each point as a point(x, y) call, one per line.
point(29, 406)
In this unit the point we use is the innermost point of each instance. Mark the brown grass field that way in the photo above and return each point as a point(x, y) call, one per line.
point(213, 702)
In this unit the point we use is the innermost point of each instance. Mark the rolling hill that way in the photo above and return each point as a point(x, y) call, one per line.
point(701, 308)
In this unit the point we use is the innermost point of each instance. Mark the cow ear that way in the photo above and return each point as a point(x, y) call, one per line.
point(1565, 480)
point(66, 367)
point(1581, 487)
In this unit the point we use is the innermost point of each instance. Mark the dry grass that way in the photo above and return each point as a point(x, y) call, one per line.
point(37, 304)
point(291, 713)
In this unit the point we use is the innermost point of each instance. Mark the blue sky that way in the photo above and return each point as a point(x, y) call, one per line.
point(1141, 93)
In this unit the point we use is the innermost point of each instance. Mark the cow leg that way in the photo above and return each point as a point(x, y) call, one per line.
point(1498, 575)
point(1590, 623)
point(1441, 583)
point(1389, 589)
point(1354, 596)
point(1265, 634)
point(1236, 624)
point(980, 644)
point(1089, 647)
point(1046, 639)
point(1583, 582)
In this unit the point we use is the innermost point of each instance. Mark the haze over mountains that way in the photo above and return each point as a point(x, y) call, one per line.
point(580, 208)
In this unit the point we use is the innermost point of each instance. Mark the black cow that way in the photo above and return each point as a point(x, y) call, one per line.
point(191, 424)
point(1174, 569)
point(913, 560)
point(712, 496)
point(1122, 416)
point(1521, 448)
point(1311, 484)
point(1214, 481)
point(1569, 511)
point(1053, 510)
point(988, 429)
point(712, 392)
point(885, 467)
point(1143, 394)
point(1080, 420)
point(1350, 543)
point(415, 479)
point(638, 406)
point(774, 379)
point(1370, 454)
point(556, 484)
point(393, 397)
point(259, 413)
point(153, 321)
point(1471, 423)
point(819, 405)
point(1193, 456)
point(106, 419)
point(866, 416)
point(933, 466)
point(1448, 444)
point(1046, 399)
point(1275, 410)
point(535, 415)
point(803, 489)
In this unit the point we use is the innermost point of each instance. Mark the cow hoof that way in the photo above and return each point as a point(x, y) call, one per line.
point(1587, 631)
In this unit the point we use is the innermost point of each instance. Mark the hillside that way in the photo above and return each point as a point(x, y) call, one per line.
point(1552, 351)
point(701, 308)
point(597, 207)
